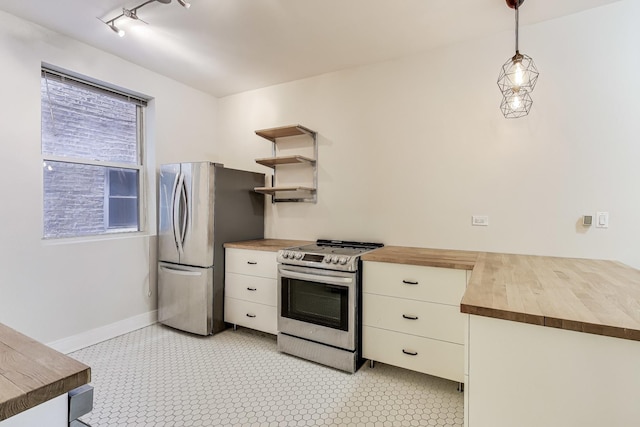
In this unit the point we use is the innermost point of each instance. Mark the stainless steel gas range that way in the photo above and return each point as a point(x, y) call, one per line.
point(320, 302)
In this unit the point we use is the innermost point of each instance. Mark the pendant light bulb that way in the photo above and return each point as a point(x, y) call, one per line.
point(516, 103)
point(519, 75)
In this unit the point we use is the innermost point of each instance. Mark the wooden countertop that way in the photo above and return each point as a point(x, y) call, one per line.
point(591, 296)
point(32, 373)
point(462, 260)
point(270, 245)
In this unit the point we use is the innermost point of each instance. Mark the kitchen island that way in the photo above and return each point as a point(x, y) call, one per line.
point(550, 341)
point(35, 380)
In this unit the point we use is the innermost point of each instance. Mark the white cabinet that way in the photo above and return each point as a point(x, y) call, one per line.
point(412, 319)
point(530, 376)
point(52, 413)
point(251, 289)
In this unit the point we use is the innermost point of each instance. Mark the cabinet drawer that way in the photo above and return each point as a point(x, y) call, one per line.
point(251, 288)
point(434, 284)
point(253, 263)
point(438, 358)
point(251, 315)
point(426, 319)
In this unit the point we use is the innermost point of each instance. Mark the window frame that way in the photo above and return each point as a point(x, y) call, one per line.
point(140, 104)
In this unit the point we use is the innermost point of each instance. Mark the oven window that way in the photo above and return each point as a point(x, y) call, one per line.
point(317, 303)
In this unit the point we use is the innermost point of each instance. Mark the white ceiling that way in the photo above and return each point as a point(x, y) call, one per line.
point(229, 46)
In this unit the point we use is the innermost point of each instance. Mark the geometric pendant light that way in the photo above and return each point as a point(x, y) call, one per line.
point(517, 79)
point(516, 104)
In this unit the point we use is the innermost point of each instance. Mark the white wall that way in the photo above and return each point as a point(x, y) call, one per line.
point(411, 148)
point(54, 290)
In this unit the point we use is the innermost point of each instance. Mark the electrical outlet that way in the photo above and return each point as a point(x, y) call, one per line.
point(480, 220)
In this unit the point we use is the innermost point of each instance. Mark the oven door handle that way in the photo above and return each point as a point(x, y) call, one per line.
point(316, 278)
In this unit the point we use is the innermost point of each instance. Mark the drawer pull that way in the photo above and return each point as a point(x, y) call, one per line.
point(251, 262)
point(410, 353)
point(410, 282)
point(410, 317)
point(251, 289)
point(253, 315)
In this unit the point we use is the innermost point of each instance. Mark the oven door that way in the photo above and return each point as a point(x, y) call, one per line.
point(318, 305)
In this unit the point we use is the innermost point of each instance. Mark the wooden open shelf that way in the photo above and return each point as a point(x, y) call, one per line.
point(291, 192)
point(281, 132)
point(273, 190)
point(272, 162)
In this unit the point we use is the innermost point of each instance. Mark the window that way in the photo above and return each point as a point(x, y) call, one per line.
point(91, 157)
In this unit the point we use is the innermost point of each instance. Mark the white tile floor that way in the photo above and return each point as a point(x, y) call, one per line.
point(157, 376)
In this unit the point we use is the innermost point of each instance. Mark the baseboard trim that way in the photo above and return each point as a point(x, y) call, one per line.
point(103, 333)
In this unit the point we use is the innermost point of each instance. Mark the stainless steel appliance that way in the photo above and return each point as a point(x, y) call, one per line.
point(202, 206)
point(320, 302)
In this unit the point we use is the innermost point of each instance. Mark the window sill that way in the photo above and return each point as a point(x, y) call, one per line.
point(95, 238)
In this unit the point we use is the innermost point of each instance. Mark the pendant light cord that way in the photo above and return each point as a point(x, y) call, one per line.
point(517, 24)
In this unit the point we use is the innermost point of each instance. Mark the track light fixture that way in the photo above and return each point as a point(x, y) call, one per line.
point(133, 14)
point(517, 79)
point(115, 29)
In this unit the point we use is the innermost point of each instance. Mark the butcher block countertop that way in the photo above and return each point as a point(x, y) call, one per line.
point(32, 373)
point(270, 245)
point(462, 260)
point(591, 296)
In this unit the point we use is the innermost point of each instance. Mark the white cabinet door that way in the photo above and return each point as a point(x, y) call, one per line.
point(433, 357)
point(251, 315)
point(251, 288)
point(250, 262)
point(441, 285)
point(438, 321)
point(52, 413)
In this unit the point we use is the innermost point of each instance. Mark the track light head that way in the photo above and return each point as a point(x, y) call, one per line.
point(184, 4)
point(115, 29)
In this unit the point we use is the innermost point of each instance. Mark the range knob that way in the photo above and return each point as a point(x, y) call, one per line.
point(327, 259)
point(285, 255)
point(335, 260)
point(298, 255)
point(343, 260)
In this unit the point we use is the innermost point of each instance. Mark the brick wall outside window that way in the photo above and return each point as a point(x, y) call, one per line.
point(82, 123)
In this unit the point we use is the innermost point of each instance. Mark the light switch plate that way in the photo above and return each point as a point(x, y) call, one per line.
point(480, 220)
point(602, 219)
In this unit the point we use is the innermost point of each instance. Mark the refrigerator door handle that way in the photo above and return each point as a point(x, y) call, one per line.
point(177, 213)
point(181, 272)
point(184, 211)
point(174, 195)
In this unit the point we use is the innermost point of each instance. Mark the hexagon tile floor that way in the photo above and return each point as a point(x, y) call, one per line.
point(156, 377)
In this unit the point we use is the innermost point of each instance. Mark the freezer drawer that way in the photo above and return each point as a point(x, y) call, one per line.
point(185, 297)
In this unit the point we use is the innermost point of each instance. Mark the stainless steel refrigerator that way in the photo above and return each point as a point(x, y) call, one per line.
point(202, 206)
